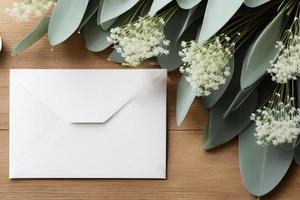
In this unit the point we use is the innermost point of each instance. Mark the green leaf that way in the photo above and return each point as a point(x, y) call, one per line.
point(184, 100)
point(95, 37)
point(255, 3)
point(239, 99)
point(65, 19)
point(146, 8)
point(221, 129)
point(297, 154)
point(115, 57)
point(90, 11)
point(297, 82)
point(183, 25)
point(262, 52)
point(262, 168)
point(112, 9)
point(39, 31)
point(105, 25)
point(217, 13)
point(157, 5)
point(187, 4)
point(213, 98)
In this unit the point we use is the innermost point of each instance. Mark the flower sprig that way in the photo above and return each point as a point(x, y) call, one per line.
point(204, 65)
point(24, 10)
point(143, 38)
point(287, 64)
point(278, 122)
point(140, 40)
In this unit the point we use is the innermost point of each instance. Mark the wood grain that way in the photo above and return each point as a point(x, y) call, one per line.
point(192, 172)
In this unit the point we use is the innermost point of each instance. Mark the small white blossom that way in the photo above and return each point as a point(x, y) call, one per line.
point(204, 65)
point(277, 123)
point(287, 65)
point(26, 9)
point(140, 40)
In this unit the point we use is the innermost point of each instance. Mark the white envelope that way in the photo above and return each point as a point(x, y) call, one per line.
point(87, 123)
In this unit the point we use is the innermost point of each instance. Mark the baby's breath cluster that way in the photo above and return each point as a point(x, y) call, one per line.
point(140, 40)
point(278, 122)
point(287, 65)
point(26, 9)
point(204, 65)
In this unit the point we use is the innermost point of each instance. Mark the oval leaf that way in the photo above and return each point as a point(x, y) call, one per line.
point(212, 99)
point(221, 129)
point(157, 5)
point(112, 9)
point(95, 37)
point(90, 11)
point(187, 4)
point(65, 19)
point(263, 52)
point(297, 154)
point(255, 3)
point(184, 100)
point(115, 57)
point(216, 15)
point(105, 25)
point(262, 168)
point(39, 31)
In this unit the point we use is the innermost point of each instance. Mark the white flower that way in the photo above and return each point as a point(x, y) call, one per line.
point(204, 65)
point(26, 9)
point(286, 66)
point(277, 123)
point(140, 40)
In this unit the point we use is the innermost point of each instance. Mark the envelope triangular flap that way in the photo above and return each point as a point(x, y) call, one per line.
point(84, 96)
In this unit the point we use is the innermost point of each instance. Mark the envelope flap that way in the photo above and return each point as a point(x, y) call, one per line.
point(84, 96)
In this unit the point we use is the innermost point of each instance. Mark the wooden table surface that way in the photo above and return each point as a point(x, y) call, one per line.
point(192, 172)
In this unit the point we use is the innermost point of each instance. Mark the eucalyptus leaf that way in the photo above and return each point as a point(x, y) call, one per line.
point(262, 168)
point(90, 11)
point(105, 25)
point(255, 3)
point(152, 61)
point(297, 148)
point(221, 129)
point(38, 32)
point(157, 5)
point(215, 95)
point(297, 154)
point(95, 37)
point(187, 4)
point(298, 91)
point(238, 100)
point(146, 8)
point(263, 52)
point(112, 9)
point(184, 100)
point(217, 13)
point(65, 19)
point(242, 94)
point(115, 57)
